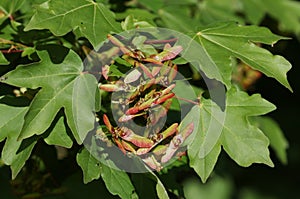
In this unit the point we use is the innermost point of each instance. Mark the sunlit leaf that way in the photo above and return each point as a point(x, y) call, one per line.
point(3, 60)
point(62, 86)
point(226, 40)
point(244, 143)
point(89, 164)
point(58, 136)
point(94, 20)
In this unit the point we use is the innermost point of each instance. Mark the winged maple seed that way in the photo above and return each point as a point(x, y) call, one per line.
point(148, 92)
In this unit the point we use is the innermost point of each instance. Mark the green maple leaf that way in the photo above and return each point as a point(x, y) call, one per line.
point(3, 60)
point(63, 85)
point(8, 116)
point(94, 165)
point(10, 129)
point(8, 7)
point(272, 130)
point(286, 12)
point(243, 142)
point(226, 40)
point(94, 20)
point(59, 136)
point(90, 166)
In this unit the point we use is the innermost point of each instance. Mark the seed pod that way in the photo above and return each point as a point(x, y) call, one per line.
point(146, 70)
point(126, 118)
point(108, 124)
point(120, 145)
point(128, 146)
point(160, 150)
point(168, 89)
point(135, 139)
point(168, 132)
point(132, 110)
point(105, 70)
point(155, 70)
point(187, 130)
point(146, 104)
point(172, 148)
point(152, 163)
point(109, 87)
point(165, 68)
point(172, 73)
point(132, 76)
point(164, 98)
point(168, 53)
point(176, 142)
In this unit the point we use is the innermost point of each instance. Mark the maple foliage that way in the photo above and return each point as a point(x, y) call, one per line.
point(100, 78)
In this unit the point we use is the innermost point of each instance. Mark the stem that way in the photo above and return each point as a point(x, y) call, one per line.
point(11, 51)
point(160, 41)
point(187, 100)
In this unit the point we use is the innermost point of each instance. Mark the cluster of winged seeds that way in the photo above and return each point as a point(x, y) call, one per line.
point(143, 97)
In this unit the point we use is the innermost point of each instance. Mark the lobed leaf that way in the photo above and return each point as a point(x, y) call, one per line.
point(59, 135)
point(89, 164)
point(272, 130)
point(94, 20)
point(117, 181)
point(8, 117)
point(244, 143)
point(289, 12)
point(226, 40)
point(12, 154)
point(62, 86)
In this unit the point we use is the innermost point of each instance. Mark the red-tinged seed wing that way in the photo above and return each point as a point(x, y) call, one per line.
point(142, 151)
point(114, 40)
point(168, 53)
point(155, 70)
point(169, 131)
point(160, 150)
point(135, 139)
point(146, 104)
point(140, 141)
point(172, 148)
point(172, 73)
point(165, 69)
point(132, 76)
point(125, 118)
point(160, 111)
point(187, 130)
point(109, 87)
point(168, 89)
point(105, 70)
point(107, 123)
point(152, 163)
point(128, 146)
point(164, 98)
point(146, 70)
point(171, 53)
point(120, 145)
point(132, 110)
point(151, 60)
